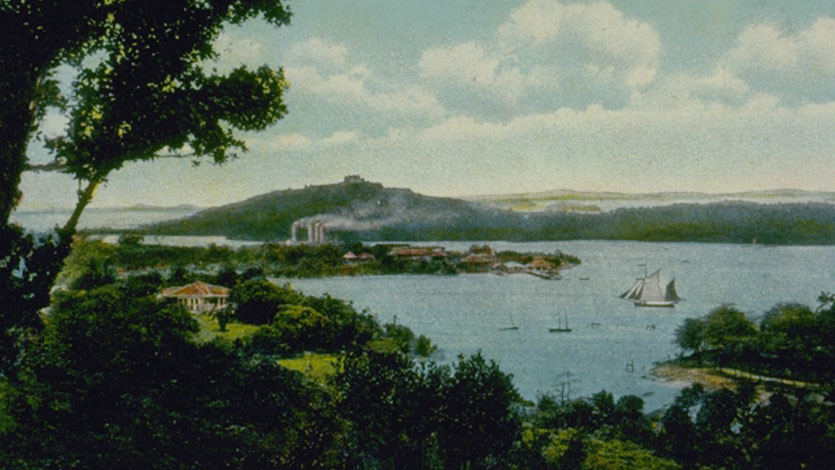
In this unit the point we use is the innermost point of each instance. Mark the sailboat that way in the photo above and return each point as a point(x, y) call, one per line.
point(560, 328)
point(512, 325)
point(648, 292)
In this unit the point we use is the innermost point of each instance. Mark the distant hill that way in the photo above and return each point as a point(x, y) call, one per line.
point(591, 201)
point(353, 206)
point(357, 209)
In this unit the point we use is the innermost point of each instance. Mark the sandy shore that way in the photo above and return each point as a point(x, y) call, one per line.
point(710, 379)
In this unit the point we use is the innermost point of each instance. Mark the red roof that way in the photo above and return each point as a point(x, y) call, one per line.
point(409, 252)
point(540, 263)
point(196, 289)
point(476, 259)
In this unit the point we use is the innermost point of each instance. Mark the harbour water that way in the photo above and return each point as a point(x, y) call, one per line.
point(613, 344)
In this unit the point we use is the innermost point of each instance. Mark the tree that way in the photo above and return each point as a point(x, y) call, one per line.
point(98, 273)
point(478, 420)
point(257, 302)
point(727, 328)
point(143, 395)
point(300, 327)
point(391, 406)
point(142, 92)
point(789, 326)
point(690, 336)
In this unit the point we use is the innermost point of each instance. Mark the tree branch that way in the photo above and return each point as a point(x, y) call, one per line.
point(57, 166)
point(51, 166)
point(84, 198)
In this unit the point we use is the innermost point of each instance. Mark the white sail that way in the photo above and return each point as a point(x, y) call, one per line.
point(633, 291)
point(648, 291)
point(652, 291)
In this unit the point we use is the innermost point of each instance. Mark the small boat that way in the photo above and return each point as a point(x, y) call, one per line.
point(560, 328)
point(512, 325)
point(648, 292)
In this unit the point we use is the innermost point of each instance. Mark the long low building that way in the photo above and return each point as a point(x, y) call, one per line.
point(199, 297)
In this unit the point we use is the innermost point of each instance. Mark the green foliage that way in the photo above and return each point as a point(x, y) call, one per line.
point(726, 326)
point(620, 455)
point(27, 269)
point(257, 301)
point(141, 285)
point(690, 335)
point(300, 327)
point(565, 449)
point(391, 406)
point(96, 274)
point(115, 382)
point(402, 336)
point(424, 347)
point(477, 413)
point(792, 341)
point(142, 90)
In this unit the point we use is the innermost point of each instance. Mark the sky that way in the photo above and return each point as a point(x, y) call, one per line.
point(470, 97)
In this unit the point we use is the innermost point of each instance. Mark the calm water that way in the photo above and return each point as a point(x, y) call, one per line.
point(43, 221)
point(464, 314)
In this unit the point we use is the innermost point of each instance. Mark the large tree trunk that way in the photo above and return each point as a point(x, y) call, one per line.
point(17, 115)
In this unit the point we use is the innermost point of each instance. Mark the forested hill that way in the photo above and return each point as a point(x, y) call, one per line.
point(350, 206)
point(368, 211)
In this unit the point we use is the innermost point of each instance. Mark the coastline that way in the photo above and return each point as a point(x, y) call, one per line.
point(713, 379)
point(710, 379)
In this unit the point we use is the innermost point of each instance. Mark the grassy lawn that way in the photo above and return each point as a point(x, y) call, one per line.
point(318, 367)
point(209, 329)
point(315, 366)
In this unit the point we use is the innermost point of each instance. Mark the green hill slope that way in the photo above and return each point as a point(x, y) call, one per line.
point(359, 210)
point(347, 207)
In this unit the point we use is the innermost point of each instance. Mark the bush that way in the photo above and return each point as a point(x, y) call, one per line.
point(257, 301)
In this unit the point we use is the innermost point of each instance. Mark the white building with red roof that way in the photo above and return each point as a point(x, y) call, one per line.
point(199, 297)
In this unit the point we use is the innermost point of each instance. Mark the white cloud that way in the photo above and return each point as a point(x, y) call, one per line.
point(236, 51)
point(797, 66)
point(341, 137)
point(548, 54)
point(680, 90)
point(350, 89)
point(466, 62)
point(287, 142)
point(323, 71)
point(319, 52)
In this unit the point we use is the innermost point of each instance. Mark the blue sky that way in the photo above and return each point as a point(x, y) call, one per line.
point(473, 97)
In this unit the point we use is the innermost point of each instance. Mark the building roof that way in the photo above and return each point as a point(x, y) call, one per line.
point(196, 289)
point(349, 255)
point(476, 259)
point(540, 263)
point(410, 252)
point(365, 256)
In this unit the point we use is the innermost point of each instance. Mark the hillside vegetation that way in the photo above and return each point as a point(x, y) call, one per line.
point(368, 211)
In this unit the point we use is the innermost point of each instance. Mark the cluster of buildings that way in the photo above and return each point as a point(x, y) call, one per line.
point(479, 258)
